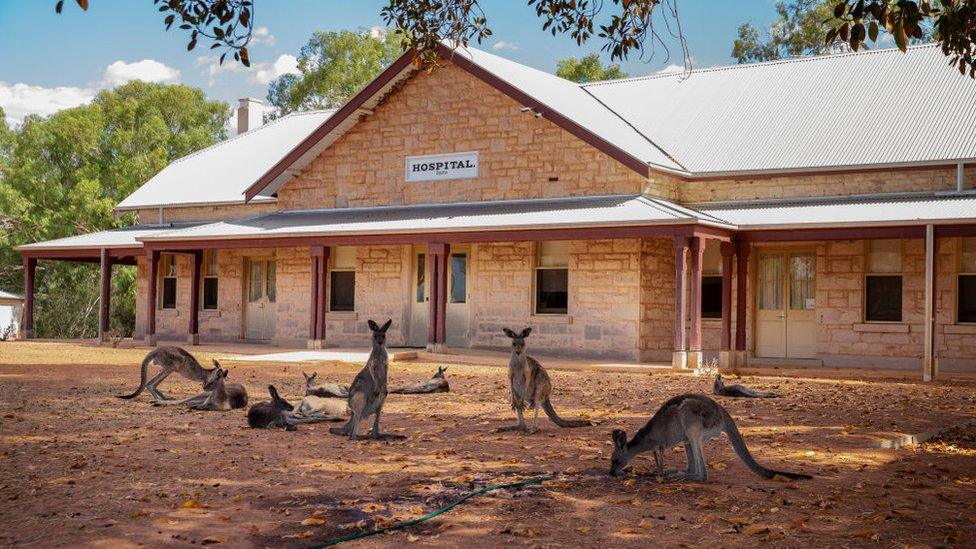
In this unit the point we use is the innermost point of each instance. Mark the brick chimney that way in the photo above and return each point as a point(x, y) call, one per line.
point(249, 114)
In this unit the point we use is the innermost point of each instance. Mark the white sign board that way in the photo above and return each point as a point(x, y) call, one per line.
point(435, 167)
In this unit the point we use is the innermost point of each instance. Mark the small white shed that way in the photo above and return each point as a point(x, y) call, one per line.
point(11, 309)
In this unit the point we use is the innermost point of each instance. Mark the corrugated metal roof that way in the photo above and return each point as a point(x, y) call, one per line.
point(221, 173)
point(600, 211)
point(10, 296)
point(850, 211)
point(114, 238)
point(870, 108)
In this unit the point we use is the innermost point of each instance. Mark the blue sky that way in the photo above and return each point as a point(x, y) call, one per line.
point(53, 61)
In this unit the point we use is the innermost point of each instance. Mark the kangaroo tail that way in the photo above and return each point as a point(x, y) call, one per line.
point(739, 445)
point(142, 378)
point(551, 412)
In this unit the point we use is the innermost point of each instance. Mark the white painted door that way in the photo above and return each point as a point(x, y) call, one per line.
point(419, 298)
point(770, 310)
point(261, 297)
point(458, 266)
point(801, 319)
point(786, 325)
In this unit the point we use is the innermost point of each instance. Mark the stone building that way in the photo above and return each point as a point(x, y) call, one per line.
point(817, 211)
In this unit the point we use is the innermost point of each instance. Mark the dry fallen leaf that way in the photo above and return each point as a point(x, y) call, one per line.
point(313, 521)
point(192, 504)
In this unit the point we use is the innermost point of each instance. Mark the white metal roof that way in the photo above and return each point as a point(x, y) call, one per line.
point(847, 211)
point(600, 211)
point(844, 110)
point(9, 296)
point(113, 238)
point(219, 174)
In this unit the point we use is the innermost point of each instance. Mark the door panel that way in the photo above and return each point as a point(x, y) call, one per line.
point(457, 297)
point(786, 322)
point(770, 310)
point(801, 322)
point(261, 296)
point(420, 299)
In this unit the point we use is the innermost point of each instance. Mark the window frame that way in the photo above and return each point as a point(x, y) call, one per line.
point(961, 272)
point(165, 262)
point(871, 273)
point(204, 277)
point(711, 268)
point(535, 279)
point(335, 267)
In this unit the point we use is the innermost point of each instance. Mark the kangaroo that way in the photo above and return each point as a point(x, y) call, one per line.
point(323, 390)
point(721, 389)
point(531, 387)
point(275, 413)
point(312, 405)
point(171, 359)
point(368, 390)
point(217, 394)
point(436, 384)
point(690, 419)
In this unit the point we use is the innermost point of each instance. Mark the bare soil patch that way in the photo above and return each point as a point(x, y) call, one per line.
point(78, 466)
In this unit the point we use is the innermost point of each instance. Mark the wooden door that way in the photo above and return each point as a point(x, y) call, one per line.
point(458, 265)
point(419, 298)
point(786, 322)
point(261, 297)
point(770, 305)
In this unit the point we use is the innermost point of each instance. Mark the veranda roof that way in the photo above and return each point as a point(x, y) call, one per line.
point(113, 239)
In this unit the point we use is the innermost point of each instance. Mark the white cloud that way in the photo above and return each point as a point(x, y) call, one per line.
point(258, 73)
point(19, 100)
point(376, 32)
point(505, 45)
point(670, 69)
point(266, 72)
point(262, 35)
point(147, 70)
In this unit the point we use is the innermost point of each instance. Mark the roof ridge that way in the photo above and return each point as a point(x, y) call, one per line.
point(802, 59)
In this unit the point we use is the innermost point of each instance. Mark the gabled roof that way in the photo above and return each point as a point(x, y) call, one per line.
point(880, 107)
point(220, 173)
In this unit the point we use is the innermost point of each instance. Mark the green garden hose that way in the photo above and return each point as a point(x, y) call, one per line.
point(441, 511)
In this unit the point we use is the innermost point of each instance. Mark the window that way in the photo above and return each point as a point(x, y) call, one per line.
point(209, 268)
point(421, 277)
point(882, 300)
point(342, 286)
point(167, 294)
point(552, 278)
point(459, 278)
point(711, 301)
point(966, 289)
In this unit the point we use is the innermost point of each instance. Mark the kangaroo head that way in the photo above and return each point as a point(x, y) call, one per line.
point(310, 379)
point(440, 372)
point(621, 457)
point(518, 340)
point(216, 378)
point(277, 401)
point(379, 332)
point(718, 381)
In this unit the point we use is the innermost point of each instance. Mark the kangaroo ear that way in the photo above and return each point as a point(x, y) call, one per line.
point(386, 325)
point(273, 392)
point(373, 326)
point(509, 333)
point(223, 373)
point(215, 363)
point(526, 332)
point(619, 438)
point(306, 376)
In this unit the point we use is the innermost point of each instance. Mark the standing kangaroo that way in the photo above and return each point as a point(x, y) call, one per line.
point(531, 387)
point(368, 390)
point(721, 389)
point(170, 359)
point(690, 419)
point(217, 394)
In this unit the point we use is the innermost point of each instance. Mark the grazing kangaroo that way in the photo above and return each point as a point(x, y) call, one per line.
point(217, 394)
point(170, 359)
point(323, 390)
point(436, 384)
point(721, 389)
point(690, 419)
point(531, 386)
point(368, 390)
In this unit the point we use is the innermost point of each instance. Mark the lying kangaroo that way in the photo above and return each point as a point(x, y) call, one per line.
point(690, 419)
point(217, 394)
point(280, 413)
point(368, 390)
point(171, 359)
point(721, 389)
point(323, 390)
point(436, 384)
point(531, 386)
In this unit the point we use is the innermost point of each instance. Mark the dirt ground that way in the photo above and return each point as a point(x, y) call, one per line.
point(78, 466)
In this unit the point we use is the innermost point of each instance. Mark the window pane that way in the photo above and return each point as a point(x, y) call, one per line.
point(711, 303)
point(210, 293)
point(168, 267)
point(272, 293)
point(256, 286)
point(967, 298)
point(552, 291)
point(421, 275)
point(712, 258)
point(884, 256)
point(169, 293)
point(969, 254)
point(210, 263)
point(883, 299)
point(801, 282)
point(770, 282)
point(344, 257)
point(554, 254)
point(459, 278)
point(343, 291)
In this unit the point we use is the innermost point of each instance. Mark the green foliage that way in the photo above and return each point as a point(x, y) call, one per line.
point(65, 173)
point(333, 66)
point(798, 31)
point(587, 69)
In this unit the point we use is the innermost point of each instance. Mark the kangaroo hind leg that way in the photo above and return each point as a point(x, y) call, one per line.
point(153, 383)
point(377, 435)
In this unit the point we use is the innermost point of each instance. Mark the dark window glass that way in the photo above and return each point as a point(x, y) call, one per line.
point(210, 292)
point(459, 278)
point(271, 284)
point(552, 291)
point(883, 299)
point(967, 298)
point(169, 293)
point(711, 302)
point(421, 275)
point(343, 294)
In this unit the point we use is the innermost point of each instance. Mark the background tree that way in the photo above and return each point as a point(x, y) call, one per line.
point(64, 175)
point(587, 69)
point(798, 31)
point(333, 67)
